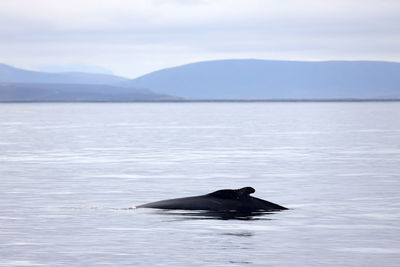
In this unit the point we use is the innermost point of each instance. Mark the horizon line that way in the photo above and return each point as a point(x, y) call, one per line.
point(321, 100)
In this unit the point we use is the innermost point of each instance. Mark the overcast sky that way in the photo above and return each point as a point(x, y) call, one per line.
point(134, 37)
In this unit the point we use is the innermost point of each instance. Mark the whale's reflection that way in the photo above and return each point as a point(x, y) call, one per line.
point(216, 215)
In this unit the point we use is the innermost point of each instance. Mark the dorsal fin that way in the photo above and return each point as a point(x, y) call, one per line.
point(246, 190)
point(233, 193)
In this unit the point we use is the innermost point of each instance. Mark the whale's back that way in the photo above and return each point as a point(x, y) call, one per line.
point(221, 200)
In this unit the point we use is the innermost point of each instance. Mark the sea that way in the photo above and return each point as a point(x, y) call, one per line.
point(71, 175)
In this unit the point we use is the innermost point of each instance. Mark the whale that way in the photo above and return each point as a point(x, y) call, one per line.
point(225, 200)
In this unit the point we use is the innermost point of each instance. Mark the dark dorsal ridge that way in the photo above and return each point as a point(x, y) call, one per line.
point(246, 190)
point(233, 194)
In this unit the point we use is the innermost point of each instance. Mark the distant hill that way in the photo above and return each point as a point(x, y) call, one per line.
point(25, 86)
point(9, 74)
point(33, 92)
point(266, 79)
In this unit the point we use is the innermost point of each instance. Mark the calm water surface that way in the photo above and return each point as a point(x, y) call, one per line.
point(70, 172)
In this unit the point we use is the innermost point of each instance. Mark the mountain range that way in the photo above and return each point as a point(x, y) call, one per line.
point(242, 79)
point(18, 85)
point(9, 74)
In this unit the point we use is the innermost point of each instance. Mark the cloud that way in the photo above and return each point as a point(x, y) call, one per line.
point(134, 37)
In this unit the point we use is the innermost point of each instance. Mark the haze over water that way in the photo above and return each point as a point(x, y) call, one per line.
point(70, 172)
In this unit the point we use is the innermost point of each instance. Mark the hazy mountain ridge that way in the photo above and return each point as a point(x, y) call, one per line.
point(24, 85)
point(9, 74)
point(268, 79)
point(222, 79)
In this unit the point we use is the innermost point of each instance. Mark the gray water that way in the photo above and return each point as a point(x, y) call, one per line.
point(69, 174)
